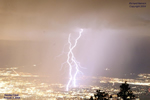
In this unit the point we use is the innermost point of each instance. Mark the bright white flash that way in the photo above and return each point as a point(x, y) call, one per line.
point(73, 64)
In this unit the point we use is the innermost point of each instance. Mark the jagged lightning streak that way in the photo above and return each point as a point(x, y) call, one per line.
point(73, 64)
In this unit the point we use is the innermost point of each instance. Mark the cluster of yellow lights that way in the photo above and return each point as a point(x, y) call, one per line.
point(26, 89)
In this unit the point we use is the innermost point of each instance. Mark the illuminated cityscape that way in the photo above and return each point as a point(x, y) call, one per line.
point(29, 87)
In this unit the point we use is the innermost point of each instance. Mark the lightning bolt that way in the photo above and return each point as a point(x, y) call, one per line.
point(72, 62)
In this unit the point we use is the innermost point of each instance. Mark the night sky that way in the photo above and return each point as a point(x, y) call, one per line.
point(34, 32)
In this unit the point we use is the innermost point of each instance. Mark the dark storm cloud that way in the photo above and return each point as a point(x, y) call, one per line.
point(32, 19)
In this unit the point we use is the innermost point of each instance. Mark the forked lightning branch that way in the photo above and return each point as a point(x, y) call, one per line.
point(74, 65)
